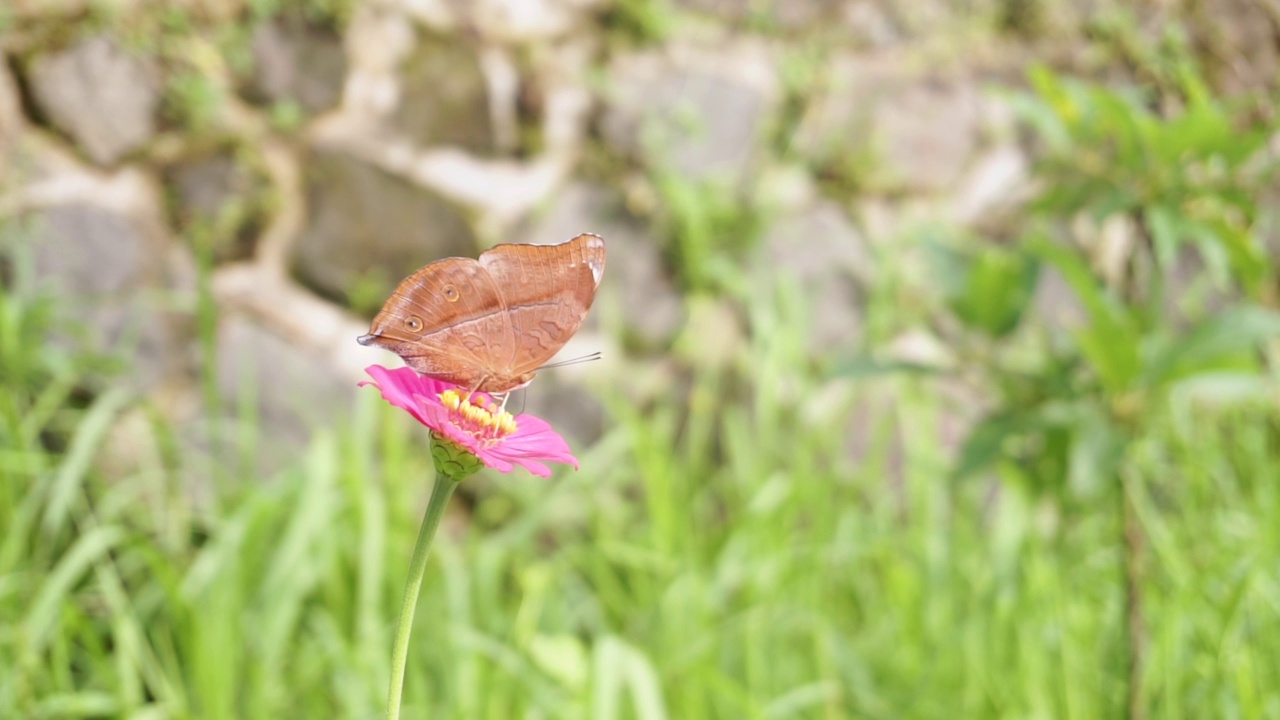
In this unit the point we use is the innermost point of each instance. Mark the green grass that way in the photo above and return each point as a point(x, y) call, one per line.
point(718, 555)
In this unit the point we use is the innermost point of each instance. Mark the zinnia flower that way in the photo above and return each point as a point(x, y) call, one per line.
point(464, 430)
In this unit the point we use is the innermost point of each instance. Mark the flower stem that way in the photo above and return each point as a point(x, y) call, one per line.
point(440, 495)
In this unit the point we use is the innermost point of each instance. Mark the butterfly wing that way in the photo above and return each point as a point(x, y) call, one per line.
point(447, 321)
point(547, 290)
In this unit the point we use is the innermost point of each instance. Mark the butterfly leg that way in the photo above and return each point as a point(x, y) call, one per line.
point(502, 400)
point(474, 388)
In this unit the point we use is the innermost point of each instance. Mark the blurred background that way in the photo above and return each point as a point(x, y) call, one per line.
point(939, 358)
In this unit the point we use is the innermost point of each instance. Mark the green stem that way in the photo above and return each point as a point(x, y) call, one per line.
point(1133, 543)
point(440, 495)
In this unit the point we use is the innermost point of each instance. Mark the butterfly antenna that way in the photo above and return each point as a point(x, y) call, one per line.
point(475, 388)
point(572, 361)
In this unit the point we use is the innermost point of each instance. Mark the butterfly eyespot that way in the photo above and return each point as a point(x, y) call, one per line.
point(451, 293)
point(413, 323)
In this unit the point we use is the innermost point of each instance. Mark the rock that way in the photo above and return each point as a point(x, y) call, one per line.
point(903, 132)
point(219, 196)
point(504, 21)
point(715, 337)
point(822, 250)
point(999, 180)
point(1236, 39)
point(296, 61)
point(88, 250)
point(324, 331)
point(103, 97)
point(110, 277)
point(514, 21)
point(378, 39)
point(696, 112)
point(11, 119)
point(788, 14)
point(637, 287)
point(561, 398)
point(493, 193)
point(926, 135)
point(445, 97)
point(367, 226)
point(922, 19)
point(1055, 303)
point(291, 394)
point(869, 24)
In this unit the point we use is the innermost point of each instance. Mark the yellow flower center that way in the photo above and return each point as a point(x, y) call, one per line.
point(478, 416)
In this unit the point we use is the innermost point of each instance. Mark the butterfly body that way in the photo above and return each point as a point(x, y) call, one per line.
point(489, 323)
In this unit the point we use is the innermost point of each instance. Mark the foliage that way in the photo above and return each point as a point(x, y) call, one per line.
point(1128, 198)
point(710, 228)
point(732, 564)
point(1184, 187)
point(641, 21)
point(725, 551)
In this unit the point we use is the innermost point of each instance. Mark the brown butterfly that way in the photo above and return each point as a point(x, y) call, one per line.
point(489, 324)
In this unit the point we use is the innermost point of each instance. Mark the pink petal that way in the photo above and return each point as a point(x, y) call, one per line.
point(540, 443)
point(398, 387)
point(488, 457)
point(533, 442)
point(535, 467)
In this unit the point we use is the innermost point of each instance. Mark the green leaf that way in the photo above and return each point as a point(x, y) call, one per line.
point(84, 448)
point(1110, 342)
point(995, 291)
point(43, 613)
point(1230, 336)
point(1187, 398)
point(985, 444)
point(1166, 234)
point(865, 366)
point(1097, 447)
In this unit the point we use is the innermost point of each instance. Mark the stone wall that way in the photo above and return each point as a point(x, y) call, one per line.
point(301, 158)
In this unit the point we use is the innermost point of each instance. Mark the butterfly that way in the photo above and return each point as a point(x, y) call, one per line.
point(489, 324)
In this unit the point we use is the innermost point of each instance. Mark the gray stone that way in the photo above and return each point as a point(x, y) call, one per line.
point(822, 250)
point(299, 62)
point(904, 132)
point(999, 180)
point(203, 187)
point(11, 120)
point(925, 135)
point(697, 113)
point(366, 225)
point(286, 391)
point(1237, 41)
point(785, 14)
point(101, 96)
point(572, 409)
point(1055, 303)
point(637, 287)
point(220, 196)
point(444, 97)
point(90, 251)
point(110, 279)
point(508, 22)
point(523, 21)
point(869, 24)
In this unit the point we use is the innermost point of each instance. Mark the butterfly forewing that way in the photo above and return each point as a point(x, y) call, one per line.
point(489, 324)
point(547, 290)
point(443, 319)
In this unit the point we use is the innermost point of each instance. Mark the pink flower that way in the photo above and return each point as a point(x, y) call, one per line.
point(500, 440)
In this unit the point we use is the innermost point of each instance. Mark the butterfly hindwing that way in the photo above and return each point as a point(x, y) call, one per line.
point(547, 290)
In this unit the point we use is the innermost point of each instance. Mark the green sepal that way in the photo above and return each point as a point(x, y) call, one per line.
point(451, 459)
